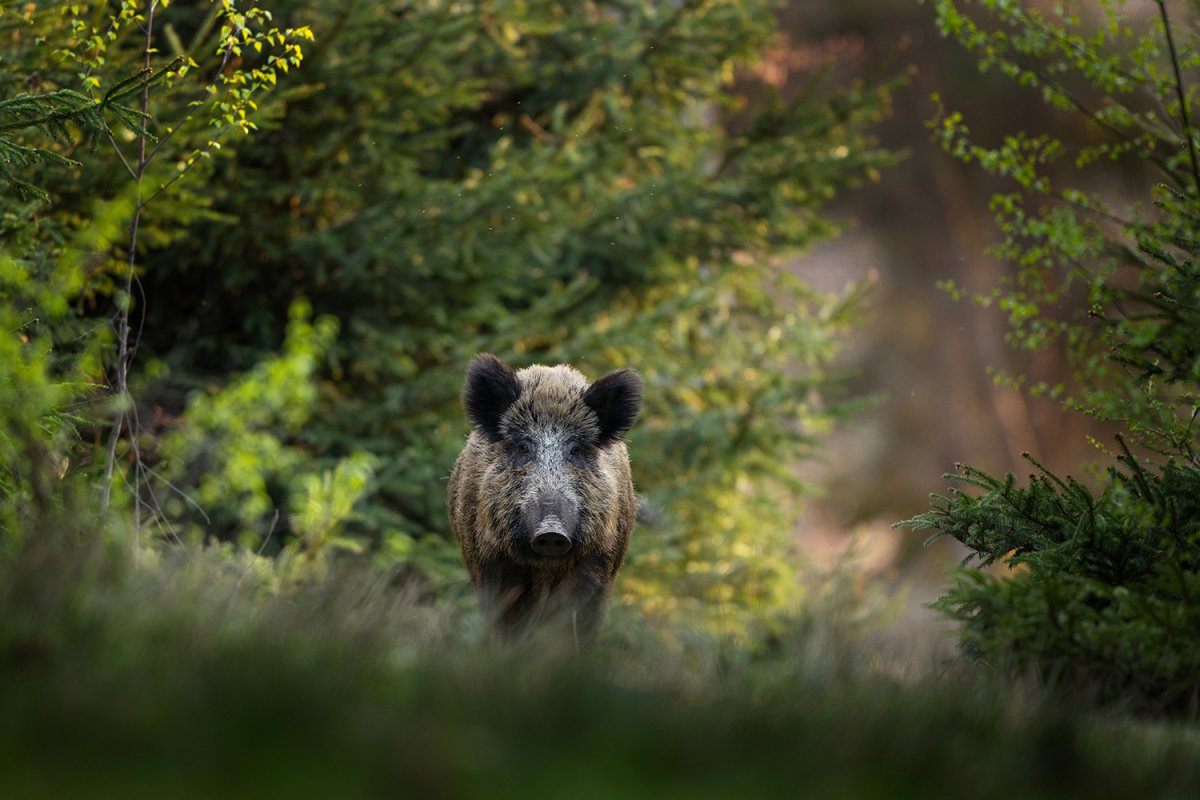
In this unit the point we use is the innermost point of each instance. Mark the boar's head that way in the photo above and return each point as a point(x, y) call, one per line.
point(549, 432)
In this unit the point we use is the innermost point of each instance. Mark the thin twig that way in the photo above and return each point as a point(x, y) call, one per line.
point(186, 497)
point(1183, 109)
point(179, 174)
point(120, 155)
point(154, 506)
point(121, 417)
point(187, 167)
point(191, 110)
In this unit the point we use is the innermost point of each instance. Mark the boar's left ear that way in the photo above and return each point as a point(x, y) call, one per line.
point(490, 389)
point(616, 398)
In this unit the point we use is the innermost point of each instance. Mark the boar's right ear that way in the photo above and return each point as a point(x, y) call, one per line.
point(616, 398)
point(490, 389)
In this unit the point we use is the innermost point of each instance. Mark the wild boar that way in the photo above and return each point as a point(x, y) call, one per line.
point(541, 499)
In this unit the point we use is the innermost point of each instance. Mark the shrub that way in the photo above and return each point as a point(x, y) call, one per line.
point(1105, 593)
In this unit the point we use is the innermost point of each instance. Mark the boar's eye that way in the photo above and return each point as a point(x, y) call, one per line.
point(576, 453)
point(522, 451)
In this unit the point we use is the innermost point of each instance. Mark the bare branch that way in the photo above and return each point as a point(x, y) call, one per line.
point(116, 148)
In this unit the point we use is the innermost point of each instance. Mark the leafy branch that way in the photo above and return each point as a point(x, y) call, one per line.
point(1105, 597)
point(228, 102)
point(53, 112)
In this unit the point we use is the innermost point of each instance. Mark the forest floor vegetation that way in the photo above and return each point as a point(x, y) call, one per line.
point(190, 677)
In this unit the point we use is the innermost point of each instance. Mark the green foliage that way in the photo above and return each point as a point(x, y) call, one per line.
point(93, 144)
point(230, 448)
point(549, 183)
point(49, 360)
point(1105, 594)
point(1132, 270)
point(50, 113)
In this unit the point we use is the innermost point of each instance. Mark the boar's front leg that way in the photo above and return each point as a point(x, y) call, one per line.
point(586, 591)
point(506, 597)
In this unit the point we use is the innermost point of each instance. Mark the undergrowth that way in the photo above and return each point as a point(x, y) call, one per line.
point(190, 677)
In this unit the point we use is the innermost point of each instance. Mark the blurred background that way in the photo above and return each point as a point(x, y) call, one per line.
point(929, 358)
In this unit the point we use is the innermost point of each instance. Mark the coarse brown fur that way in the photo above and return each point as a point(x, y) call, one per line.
point(545, 445)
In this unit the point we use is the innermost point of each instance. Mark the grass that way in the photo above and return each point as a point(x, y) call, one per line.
point(187, 679)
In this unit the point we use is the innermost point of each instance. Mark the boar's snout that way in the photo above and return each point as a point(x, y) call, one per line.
point(551, 542)
point(553, 522)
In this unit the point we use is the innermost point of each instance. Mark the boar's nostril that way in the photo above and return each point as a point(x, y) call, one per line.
point(551, 544)
point(551, 539)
